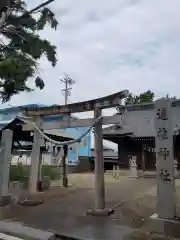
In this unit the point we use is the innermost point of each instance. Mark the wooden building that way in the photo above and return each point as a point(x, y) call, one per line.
point(110, 157)
point(23, 140)
point(135, 135)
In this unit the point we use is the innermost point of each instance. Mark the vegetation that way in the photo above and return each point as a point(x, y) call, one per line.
point(144, 97)
point(18, 172)
point(21, 47)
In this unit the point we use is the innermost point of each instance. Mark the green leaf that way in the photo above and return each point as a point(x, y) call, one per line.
point(47, 16)
point(24, 48)
point(144, 97)
point(39, 83)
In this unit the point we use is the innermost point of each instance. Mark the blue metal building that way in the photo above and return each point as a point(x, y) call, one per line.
point(7, 114)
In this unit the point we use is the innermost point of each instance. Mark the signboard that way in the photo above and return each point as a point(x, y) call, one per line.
point(164, 159)
point(105, 102)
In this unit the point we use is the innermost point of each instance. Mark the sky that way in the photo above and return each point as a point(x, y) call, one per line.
point(108, 46)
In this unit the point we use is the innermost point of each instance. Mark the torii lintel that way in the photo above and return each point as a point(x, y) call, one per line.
point(105, 102)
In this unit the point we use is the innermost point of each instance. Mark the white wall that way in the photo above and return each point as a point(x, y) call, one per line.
point(26, 160)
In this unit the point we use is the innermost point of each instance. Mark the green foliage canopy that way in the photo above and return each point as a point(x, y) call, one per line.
point(21, 47)
point(144, 97)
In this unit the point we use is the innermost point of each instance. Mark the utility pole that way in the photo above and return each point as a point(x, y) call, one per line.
point(67, 90)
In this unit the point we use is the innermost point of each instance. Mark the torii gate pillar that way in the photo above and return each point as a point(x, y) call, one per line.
point(99, 189)
point(35, 160)
point(5, 161)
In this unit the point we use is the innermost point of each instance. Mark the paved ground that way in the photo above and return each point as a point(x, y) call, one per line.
point(64, 209)
point(134, 200)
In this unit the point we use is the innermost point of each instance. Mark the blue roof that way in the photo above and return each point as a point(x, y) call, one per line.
point(38, 105)
point(12, 108)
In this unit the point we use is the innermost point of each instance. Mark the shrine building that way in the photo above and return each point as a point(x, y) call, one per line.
point(135, 135)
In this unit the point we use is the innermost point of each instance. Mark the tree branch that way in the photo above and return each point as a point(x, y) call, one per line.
point(32, 10)
point(39, 6)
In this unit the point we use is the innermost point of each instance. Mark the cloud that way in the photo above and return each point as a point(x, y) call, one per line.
point(107, 46)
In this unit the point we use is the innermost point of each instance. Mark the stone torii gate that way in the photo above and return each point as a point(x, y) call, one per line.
point(165, 218)
point(95, 105)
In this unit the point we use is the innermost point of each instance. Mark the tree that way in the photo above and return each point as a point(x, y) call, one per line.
point(144, 97)
point(4, 8)
point(21, 47)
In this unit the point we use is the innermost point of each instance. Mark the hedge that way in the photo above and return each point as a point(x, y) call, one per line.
point(18, 172)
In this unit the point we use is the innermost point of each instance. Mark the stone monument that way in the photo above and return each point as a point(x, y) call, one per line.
point(164, 160)
point(164, 220)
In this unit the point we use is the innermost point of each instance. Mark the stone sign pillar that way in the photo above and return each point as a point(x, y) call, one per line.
point(164, 160)
point(99, 170)
point(35, 158)
point(5, 161)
